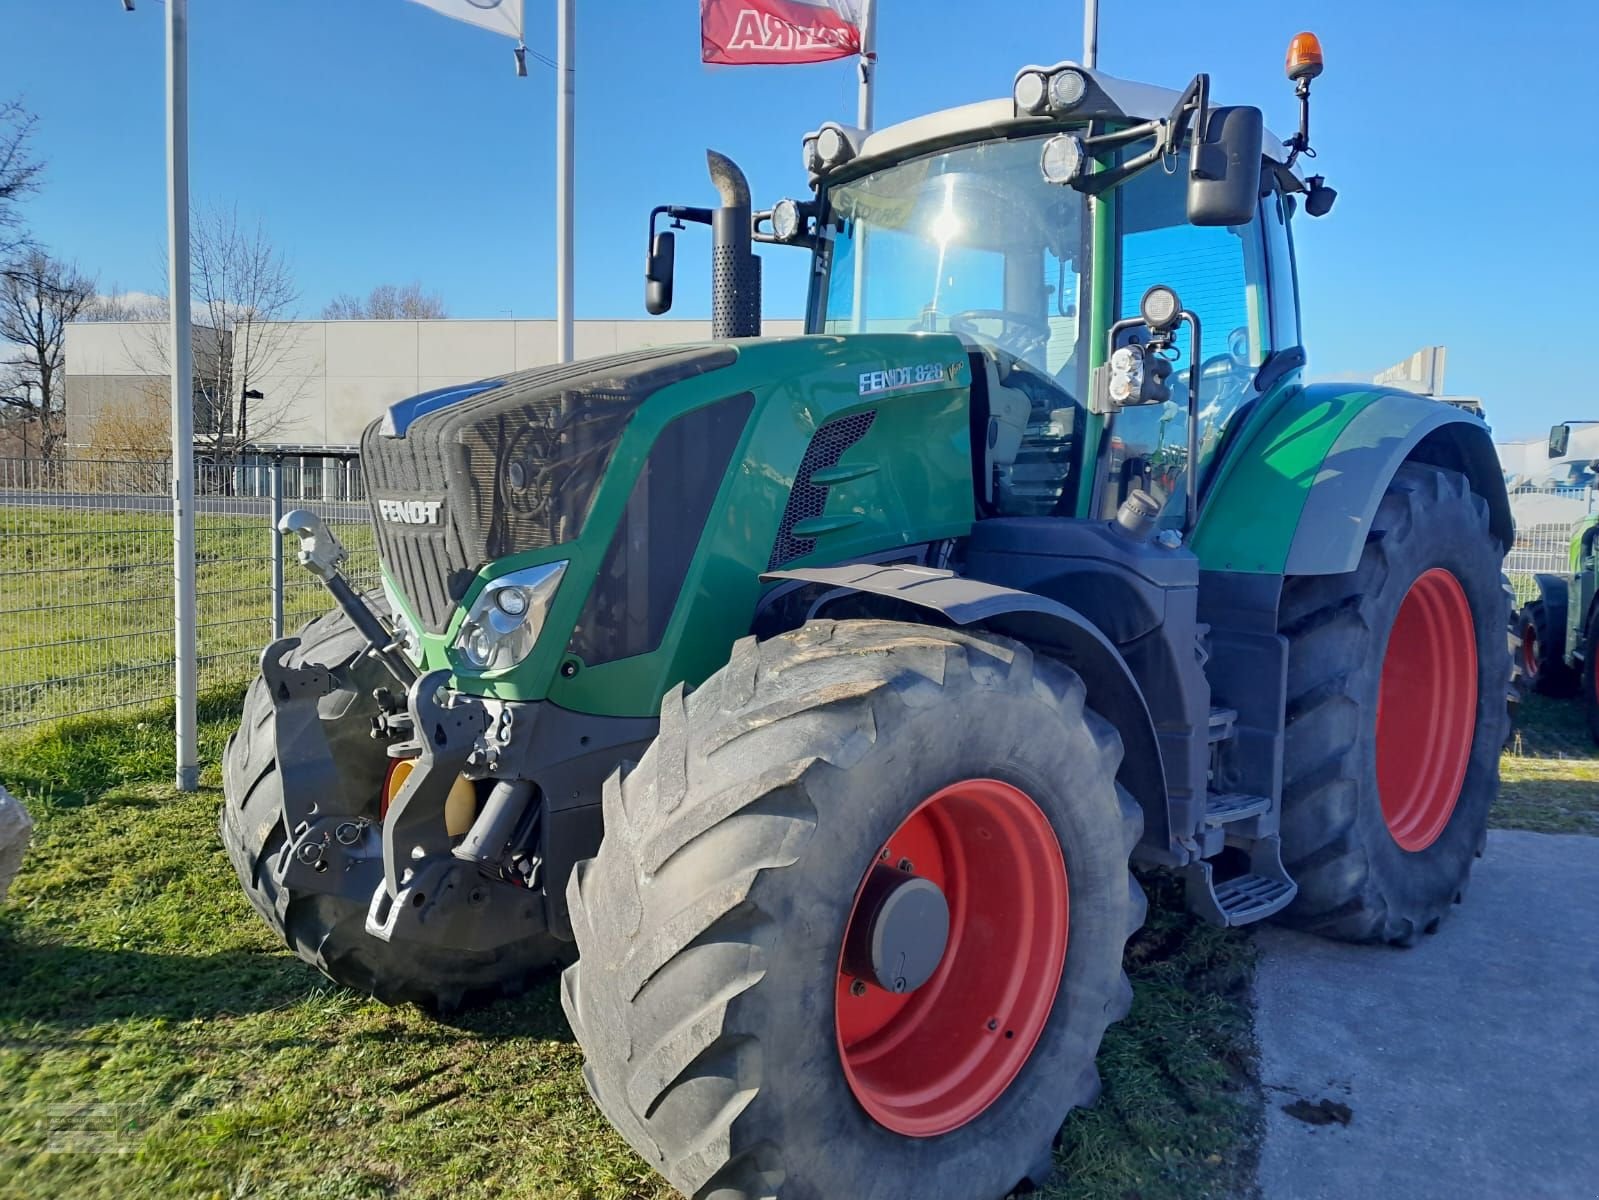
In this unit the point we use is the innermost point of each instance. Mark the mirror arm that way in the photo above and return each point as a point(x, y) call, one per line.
point(1103, 181)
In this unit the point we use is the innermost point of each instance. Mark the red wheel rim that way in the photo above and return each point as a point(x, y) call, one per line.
point(1426, 709)
point(1529, 650)
point(930, 1061)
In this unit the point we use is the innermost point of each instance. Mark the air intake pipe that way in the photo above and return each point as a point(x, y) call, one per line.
point(735, 271)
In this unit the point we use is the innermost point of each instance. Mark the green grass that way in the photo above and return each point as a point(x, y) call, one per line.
point(1550, 774)
point(152, 1027)
point(86, 605)
point(140, 991)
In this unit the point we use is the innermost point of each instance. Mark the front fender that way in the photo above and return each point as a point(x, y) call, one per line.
point(1050, 627)
point(1298, 494)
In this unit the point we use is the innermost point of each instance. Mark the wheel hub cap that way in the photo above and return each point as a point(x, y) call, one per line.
point(899, 933)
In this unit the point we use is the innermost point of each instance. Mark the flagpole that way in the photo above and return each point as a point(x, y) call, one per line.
point(182, 358)
point(864, 113)
point(565, 191)
point(1090, 33)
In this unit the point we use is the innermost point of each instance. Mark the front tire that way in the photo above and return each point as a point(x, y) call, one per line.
point(711, 998)
point(329, 931)
point(1396, 715)
point(1541, 663)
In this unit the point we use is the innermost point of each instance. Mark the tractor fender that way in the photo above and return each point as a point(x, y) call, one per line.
point(1394, 428)
point(1047, 625)
point(1298, 488)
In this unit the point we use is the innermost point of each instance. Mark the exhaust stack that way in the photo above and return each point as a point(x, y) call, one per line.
point(735, 271)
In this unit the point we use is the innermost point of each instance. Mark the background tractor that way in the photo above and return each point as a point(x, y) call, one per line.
point(1557, 634)
point(817, 694)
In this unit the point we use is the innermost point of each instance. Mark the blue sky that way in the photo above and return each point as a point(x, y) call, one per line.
point(382, 142)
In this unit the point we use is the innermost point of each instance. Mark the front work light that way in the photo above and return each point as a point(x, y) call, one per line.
point(505, 619)
point(833, 147)
point(1062, 160)
point(1067, 87)
point(787, 220)
point(1160, 309)
point(1031, 91)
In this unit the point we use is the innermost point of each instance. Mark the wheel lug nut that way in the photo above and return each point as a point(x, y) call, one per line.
point(858, 988)
point(905, 865)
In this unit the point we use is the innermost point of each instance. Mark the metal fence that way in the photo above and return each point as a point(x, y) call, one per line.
point(86, 570)
point(1545, 518)
point(86, 574)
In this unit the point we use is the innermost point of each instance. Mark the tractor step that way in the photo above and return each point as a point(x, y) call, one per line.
point(1222, 723)
point(1223, 807)
point(1265, 889)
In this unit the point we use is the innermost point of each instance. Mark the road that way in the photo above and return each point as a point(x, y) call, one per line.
point(1467, 1066)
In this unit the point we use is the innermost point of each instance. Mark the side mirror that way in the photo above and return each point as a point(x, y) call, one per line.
point(658, 272)
point(1224, 170)
point(1559, 440)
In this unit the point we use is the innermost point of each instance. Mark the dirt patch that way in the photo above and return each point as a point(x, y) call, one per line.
point(1322, 1112)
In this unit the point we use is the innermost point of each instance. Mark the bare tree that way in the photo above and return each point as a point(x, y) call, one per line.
point(242, 296)
point(19, 171)
point(387, 302)
point(118, 305)
point(39, 295)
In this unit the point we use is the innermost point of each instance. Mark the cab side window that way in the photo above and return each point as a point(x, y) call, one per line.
point(1219, 274)
point(1275, 211)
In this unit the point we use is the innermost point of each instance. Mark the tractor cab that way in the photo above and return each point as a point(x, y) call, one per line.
point(1030, 227)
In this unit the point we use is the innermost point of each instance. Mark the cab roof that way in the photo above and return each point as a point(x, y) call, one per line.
point(1112, 98)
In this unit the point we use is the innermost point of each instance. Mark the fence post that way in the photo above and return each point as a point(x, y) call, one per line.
point(277, 546)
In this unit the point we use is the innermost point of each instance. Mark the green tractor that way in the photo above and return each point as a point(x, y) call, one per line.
point(1557, 633)
point(815, 695)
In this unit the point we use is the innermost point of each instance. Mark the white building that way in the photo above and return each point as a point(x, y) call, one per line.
point(322, 382)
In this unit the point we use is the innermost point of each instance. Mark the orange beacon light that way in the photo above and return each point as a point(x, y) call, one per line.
point(1304, 57)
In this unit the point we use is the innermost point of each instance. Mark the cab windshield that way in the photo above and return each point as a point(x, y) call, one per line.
point(971, 241)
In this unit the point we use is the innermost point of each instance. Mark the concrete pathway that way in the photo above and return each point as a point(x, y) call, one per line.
point(1467, 1066)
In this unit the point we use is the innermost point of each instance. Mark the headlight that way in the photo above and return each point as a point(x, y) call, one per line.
point(505, 619)
point(405, 633)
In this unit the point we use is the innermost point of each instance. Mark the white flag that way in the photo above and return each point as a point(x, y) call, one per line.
point(502, 16)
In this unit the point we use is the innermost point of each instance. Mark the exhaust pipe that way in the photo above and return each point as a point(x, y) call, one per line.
point(735, 271)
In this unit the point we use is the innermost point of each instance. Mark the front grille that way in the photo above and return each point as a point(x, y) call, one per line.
point(513, 468)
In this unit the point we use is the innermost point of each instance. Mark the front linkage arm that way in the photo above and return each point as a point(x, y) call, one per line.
point(321, 553)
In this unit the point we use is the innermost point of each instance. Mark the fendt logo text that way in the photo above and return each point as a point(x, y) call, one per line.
point(410, 512)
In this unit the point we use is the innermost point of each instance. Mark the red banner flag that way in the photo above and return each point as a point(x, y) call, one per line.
point(750, 32)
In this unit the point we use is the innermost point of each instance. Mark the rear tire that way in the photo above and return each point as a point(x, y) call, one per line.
point(329, 932)
point(1542, 662)
point(1384, 865)
point(708, 997)
point(1590, 675)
